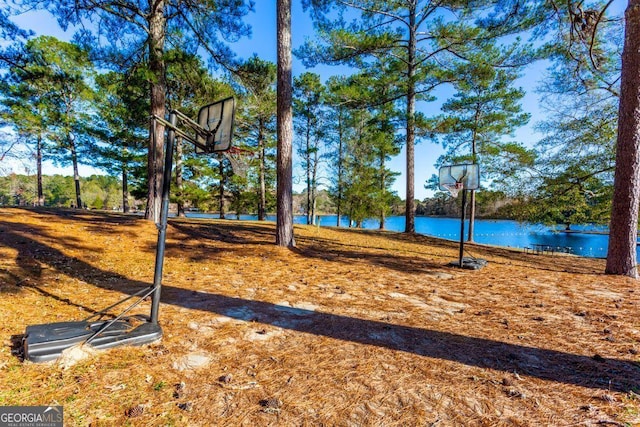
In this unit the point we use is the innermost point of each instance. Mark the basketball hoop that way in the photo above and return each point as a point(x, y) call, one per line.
point(453, 188)
point(240, 160)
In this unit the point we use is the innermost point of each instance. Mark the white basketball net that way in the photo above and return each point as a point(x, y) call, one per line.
point(454, 188)
point(240, 161)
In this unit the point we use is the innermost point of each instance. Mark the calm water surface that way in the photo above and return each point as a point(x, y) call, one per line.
point(493, 232)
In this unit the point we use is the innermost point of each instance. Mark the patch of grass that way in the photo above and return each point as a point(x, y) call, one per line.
point(159, 386)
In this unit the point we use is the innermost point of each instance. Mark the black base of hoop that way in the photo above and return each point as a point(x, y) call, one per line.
point(42, 343)
point(469, 263)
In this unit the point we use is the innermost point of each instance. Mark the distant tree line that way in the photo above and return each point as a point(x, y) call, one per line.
point(104, 192)
point(98, 191)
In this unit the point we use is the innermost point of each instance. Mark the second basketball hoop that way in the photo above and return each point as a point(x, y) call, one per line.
point(453, 178)
point(456, 178)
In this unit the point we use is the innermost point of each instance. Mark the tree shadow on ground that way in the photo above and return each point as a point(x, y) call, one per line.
point(94, 221)
point(593, 372)
point(34, 256)
point(386, 260)
point(262, 234)
point(93, 217)
point(242, 234)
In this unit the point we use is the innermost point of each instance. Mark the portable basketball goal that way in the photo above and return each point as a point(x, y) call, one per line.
point(456, 179)
point(211, 133)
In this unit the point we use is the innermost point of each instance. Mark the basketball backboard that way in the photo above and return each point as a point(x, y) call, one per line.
point(467, 175)
point(217, 119)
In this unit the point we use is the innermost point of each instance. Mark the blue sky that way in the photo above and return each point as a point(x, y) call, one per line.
point(263, 43)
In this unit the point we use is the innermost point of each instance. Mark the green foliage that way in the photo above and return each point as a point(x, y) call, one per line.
point(102, 192)
point(46, 100)
point(354, 124)
point(256, 129)
point(64, 69)
point(19, 190)
point(189, 87)
point(58, 190)
point(482, 114)
point(405, 47)
point(120, 125)
point(489, 204)
point(144, 30)
point(572, 197)
point(201, 177)
point(243, 202)
point(362, 140)
point(190, 84)
point(24, 102)
point(310, 123)
point(98, 191)
point(576, 156)
point(366, 180)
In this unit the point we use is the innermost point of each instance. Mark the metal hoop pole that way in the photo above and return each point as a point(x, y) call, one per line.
point(464, 205)
point(164, 213)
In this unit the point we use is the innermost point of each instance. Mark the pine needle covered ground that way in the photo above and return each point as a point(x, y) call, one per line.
point(353, 328)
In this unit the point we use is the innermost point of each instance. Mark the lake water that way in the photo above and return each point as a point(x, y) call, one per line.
point(505, 233)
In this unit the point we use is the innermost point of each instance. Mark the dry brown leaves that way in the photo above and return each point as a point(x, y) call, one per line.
point(350, 328)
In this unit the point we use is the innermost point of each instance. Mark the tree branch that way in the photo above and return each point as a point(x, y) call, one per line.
point(375, 11)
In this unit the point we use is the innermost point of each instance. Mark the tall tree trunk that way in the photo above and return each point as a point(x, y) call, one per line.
point(39, 171)
point(157, 27)
point(125, 189)
point(340, 171)
point(314, 185)
point(223, 182)
point(621, 255)
point(383, 190)
point(262, 197)
point(76, 174)
point(410, 226)
point(179, 183)
point(307, 157)
point(284, 220)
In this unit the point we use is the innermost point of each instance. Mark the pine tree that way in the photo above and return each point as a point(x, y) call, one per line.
point(67, 70)
point(189, 87)
point(256, 123)
point(23, 108)
point(284, 220)
point(583, 39)
point(483, 112)
point(120, 125)
point(54, 79)
point(310, 126)
point(404, 40)
point(338, 101)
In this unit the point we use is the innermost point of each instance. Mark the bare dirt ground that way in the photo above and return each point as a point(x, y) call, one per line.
point(351, 328)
